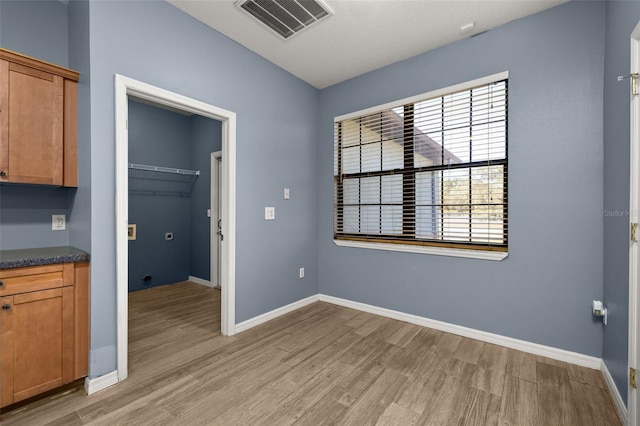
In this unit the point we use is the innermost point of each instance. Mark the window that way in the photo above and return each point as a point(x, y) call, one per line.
point(430, 170)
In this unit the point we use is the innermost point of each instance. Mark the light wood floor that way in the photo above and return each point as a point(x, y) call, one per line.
point(321, 364)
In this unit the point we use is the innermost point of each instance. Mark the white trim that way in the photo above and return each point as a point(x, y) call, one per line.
point(496, 339)
point(634, 205)
point(617, 398)
point(97, 384)
point(200, 281)
point(438, 251)
point(125, 87)
point(424, 96)
point(268, 316)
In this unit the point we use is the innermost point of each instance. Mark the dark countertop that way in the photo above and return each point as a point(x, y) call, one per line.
point(41, 256)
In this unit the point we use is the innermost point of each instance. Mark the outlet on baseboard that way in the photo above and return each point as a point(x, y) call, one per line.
point(301, 272)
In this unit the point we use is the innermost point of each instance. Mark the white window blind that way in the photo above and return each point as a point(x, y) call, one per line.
point(429, 172)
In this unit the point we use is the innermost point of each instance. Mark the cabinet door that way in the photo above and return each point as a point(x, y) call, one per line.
point(38, 331)
point(34, 117)
point(6, 351)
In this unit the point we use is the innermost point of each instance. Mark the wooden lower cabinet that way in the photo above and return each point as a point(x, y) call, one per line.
point(43, 329)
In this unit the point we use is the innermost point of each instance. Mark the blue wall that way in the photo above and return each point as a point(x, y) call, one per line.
point(36, 28)
point(158, 202)
point(25, 216)
point(542, 292)
point(79, 59)
point(276, 116)
point(622, 17)
point(39, 29)
point(206, 137)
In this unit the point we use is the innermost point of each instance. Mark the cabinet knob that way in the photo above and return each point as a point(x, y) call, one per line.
point(1, 283)
point(6, 307)
point(3, 173)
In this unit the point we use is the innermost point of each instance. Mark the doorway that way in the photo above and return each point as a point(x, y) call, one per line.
point(125, 88)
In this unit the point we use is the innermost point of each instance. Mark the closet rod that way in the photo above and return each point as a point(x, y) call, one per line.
point(164, 169)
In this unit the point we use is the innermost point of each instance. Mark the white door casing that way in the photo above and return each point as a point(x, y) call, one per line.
point(125, 87)
point(633, 396)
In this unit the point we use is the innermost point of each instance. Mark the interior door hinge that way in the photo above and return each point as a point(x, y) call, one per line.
point(632, 378)
point(634, 230)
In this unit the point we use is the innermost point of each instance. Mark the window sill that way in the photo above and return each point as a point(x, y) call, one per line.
point(438, 251)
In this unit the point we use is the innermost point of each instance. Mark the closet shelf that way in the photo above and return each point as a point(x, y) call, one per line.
point(161, 181)
point(184, 172)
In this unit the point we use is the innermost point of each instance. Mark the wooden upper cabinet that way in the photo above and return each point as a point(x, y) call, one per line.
point(38, 121)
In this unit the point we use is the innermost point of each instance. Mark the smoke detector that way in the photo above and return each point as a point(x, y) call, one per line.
point(286, 17)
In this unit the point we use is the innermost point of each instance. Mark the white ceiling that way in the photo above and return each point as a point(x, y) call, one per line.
point(363, 35)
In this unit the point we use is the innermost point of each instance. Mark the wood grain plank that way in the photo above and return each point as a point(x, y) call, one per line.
point(490, 374)
point(519, 403)
point(370, 406)
point(593, 404)
point(308, 394)
point(475, 408)
point(521, 365)
point(419, 392)
point(586, 376)
point(395, 415)
point(404, 335)
point(449, 404)
point(469, 350)
point(556, 404)
point(327, 411)
point(493, 410)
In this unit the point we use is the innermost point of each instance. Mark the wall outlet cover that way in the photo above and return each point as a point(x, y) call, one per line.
point(58, 222)
point(269, 213)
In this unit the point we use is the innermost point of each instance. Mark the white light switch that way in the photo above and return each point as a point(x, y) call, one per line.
point(269, 213)
point(286, 193)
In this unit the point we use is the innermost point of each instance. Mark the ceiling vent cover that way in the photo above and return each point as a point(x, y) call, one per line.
point(286, 17)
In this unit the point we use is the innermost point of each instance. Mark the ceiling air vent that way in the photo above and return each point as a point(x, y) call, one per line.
point(286, 17)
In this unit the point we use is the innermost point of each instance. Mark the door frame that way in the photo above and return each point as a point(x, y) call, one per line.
point(125, 87)
point(214, 216)
point(633, 405)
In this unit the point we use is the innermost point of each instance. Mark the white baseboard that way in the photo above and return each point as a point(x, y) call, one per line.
point(267, 316)
point(201, 281)
point(621, 407)
point(521, 345)
point(99, 383)
point(496, 339)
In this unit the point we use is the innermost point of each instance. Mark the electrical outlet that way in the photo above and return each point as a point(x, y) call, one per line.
point(58, 222)
point(301, 272)
point(269, 213)
point(286, 193)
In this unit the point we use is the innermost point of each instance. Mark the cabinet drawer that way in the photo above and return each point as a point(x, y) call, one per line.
point(35, 278)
